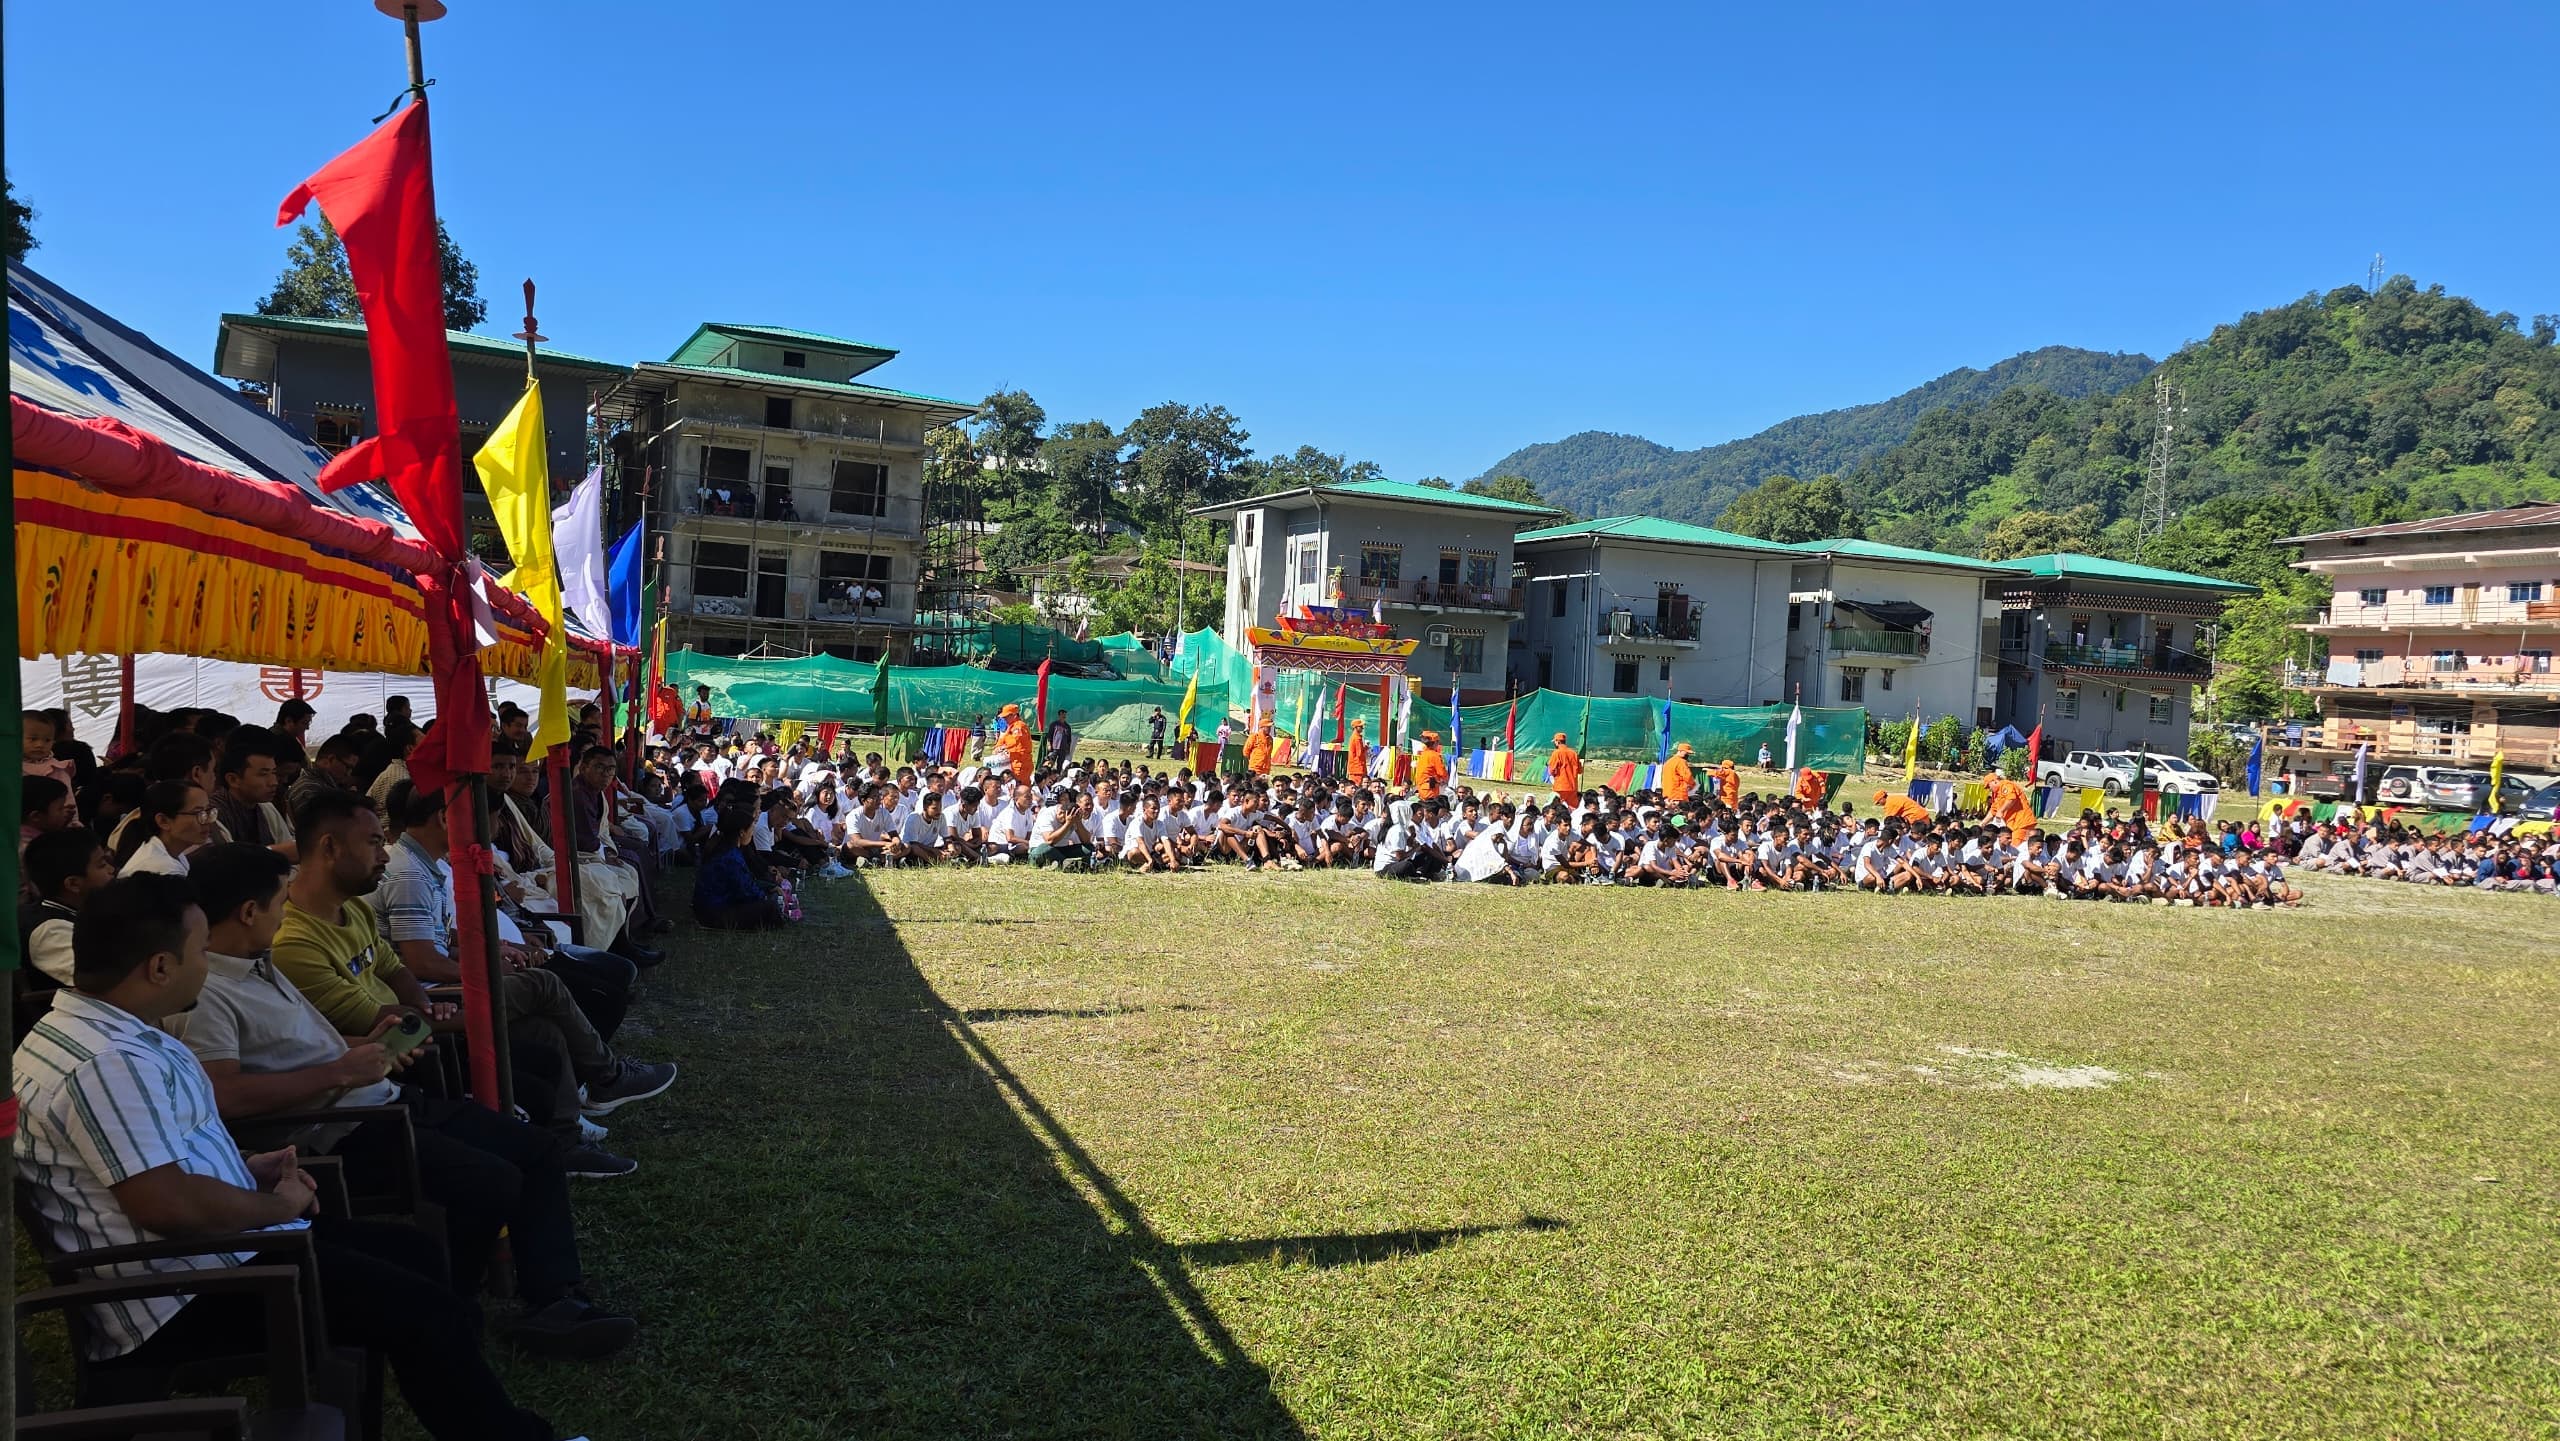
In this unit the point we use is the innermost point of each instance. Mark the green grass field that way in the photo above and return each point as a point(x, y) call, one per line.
point(1023, 1154)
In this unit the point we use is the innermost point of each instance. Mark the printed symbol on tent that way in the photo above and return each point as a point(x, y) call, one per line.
point(277, 682)
point(91, 684)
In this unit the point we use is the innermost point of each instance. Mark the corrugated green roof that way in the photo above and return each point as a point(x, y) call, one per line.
point(1433, 495)
point(2065, 564)
point(460, 340)
point(770, 381)
point(696, 345)
point(1878, 550)
point(1646, 527)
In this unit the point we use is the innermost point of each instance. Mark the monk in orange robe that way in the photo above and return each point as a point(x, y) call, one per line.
point(1430, 768)
point(1564, 771)
point(1811, 788)
point(1728, 783)
point(1902, 808)
point(1355, 756)
point(2009, 807)
point(1679, 778)
point(1257, 748)
point(1016, 742)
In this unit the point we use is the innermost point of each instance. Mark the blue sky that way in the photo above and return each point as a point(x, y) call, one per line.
point(1421, 235)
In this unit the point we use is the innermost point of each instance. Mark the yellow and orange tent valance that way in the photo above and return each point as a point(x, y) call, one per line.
point(125, 547)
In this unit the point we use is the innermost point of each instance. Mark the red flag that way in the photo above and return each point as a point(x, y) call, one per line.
point(1040, 700)
point(2035, 749)
point(381, 196)
point(1341, 721)
point(1511, 725)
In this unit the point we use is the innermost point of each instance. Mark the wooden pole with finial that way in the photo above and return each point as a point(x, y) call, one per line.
point(558, 764)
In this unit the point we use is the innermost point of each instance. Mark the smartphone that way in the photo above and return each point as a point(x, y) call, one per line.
point(407, 1035)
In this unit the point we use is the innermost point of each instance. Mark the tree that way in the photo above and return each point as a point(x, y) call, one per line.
point(1007, 432)
point(1305, 466)
point(2042, 532)
point(1506, 487)
point(1181, 456)
point(17, 223)
point(315, 284)
point(1790, 511)
point(1083, 465)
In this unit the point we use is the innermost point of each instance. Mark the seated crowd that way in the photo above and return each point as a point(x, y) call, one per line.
point(765, 815)
point(243, 955)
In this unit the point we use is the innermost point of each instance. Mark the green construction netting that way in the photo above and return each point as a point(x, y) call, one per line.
point(1022, 645)
point(824, 688)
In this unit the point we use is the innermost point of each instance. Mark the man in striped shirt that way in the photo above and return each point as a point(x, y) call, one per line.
point(119, 1141)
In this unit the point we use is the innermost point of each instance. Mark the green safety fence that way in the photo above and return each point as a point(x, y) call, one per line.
point(1021, 644)
point(824, 688)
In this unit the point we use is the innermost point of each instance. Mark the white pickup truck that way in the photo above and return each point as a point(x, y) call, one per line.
point(2109, 771)
point(2113, 772)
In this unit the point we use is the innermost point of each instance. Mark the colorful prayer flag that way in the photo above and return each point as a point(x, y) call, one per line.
point(515, 469)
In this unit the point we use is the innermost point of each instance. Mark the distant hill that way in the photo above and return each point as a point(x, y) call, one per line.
point(1598, 473)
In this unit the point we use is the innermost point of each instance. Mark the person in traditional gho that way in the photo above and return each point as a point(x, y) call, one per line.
point(1355, 756)
point(1430, 768)
point(1257, 747)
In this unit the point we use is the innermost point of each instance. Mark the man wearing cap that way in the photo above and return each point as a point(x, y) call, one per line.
point(1430, 768)
point(1728, 783)
point(1679, 778)
point(1564, 771)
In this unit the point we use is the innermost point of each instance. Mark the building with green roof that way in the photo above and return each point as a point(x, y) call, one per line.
point(1433, 563)
point(1902, 631)
point(2105, 654)
point(789, 485)
point(1632, 605)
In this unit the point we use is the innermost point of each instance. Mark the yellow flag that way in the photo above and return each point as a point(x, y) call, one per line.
point(1911, 752)
point(2497, 778)
point(515, 469)
point(1190, 696)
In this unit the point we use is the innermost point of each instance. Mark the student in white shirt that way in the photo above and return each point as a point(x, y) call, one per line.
point(921, 837)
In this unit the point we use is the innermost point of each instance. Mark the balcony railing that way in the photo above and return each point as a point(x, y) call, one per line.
point(1437, 595)
point(805, 505)
point(2487, 608)
point(1649, 630)
point(1849, 640)
point(2130, 658)
point(2530, 673)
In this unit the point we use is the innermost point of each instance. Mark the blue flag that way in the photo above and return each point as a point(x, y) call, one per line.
point(622, 579)
point(1456, 737)
point(1665, 753)
point(2257, 759)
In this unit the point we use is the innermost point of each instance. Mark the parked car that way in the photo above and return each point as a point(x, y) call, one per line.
point(2441, 788)
point(2109, 771)
point(2537, 805)
point(2171, 775)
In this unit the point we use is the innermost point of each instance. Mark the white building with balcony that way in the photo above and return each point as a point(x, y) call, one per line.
point(2105, 654)
point(2440, 635)
point(790, 492)
point(1900, 631)
point(1633, 606)
point(1435, 563)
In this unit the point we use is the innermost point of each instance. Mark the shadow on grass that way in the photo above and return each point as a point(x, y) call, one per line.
point(992, 1014)
point(857, 1225)
point(1350, 1249)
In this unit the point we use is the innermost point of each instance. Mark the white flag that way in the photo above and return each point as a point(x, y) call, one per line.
point(1795, 720)
point(577, 538)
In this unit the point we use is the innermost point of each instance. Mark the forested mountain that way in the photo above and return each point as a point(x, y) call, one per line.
point(1597, 473)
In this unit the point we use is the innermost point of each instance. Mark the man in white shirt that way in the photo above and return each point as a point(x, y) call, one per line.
point(921, 838)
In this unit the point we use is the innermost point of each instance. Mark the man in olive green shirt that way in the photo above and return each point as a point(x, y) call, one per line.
point(330, 945)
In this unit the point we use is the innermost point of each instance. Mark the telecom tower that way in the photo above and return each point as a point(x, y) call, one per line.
point(2155, 497)
point(2374, 275)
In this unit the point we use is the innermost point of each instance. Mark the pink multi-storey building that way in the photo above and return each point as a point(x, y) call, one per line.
point(2440, 634)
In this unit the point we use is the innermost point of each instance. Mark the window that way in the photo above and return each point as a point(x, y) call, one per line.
point(725, 462)
point(2373, 596)
point(2163, 707)
point(2447, 660)
point(2524, 592)
point(335, 427)
point(2372, 656)
point(1245, 534)
point(2066, 705)
point(1381, 565)
point(777, 493)
point(1884, 678)
point(1466, 651)
point(1308, 554)
point(1555, 606)
point(2439, 595)
point(777, 412)
point(1449, 563)
point(773, 583)
point(1479, 570)
point(2536, 662)
point(840, 572)
point(795, 359)
point(1795, 617)
point(1853, 683)
point(1666, 672)
point(720, 569)
point(861, 487)
point(1622, 678)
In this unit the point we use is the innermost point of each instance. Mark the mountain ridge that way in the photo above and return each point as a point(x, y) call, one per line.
point(1597, 472)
